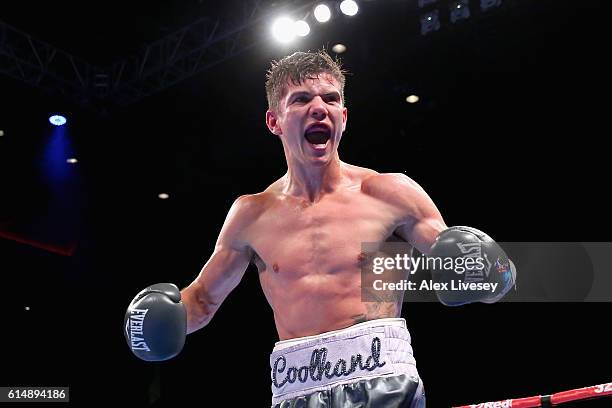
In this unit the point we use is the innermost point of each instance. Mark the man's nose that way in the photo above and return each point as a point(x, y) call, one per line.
point(318, 110)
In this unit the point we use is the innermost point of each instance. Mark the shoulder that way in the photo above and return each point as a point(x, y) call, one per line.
point(411, 204)
point(254, 205)
point(244, 212)
point(389, 185)
point(248, 207)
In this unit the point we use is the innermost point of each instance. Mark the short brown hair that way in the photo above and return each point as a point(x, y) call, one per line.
point(297, 67)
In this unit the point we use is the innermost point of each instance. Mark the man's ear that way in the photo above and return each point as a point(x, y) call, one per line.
point(344, 118)
point(273, 123)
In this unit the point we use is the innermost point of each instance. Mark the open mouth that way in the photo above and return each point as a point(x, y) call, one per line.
point(317, 135)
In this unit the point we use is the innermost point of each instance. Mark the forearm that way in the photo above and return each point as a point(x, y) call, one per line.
point(426, 232)
point(219, 276)
point(199, 310)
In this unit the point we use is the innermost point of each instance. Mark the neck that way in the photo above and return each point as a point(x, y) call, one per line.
point(312, 182)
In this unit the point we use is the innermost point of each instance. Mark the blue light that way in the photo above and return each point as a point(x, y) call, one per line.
point(57, 120)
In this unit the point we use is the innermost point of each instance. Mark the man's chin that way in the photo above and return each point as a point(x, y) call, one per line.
point(319, 161)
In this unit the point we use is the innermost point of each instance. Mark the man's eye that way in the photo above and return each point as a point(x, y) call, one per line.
point(300, 99)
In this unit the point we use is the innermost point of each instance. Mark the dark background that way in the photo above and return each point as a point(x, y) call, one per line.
point(508, 138)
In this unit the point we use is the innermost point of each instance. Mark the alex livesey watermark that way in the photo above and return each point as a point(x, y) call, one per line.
point(546, 272)
point(453, 285)
point(472, 267)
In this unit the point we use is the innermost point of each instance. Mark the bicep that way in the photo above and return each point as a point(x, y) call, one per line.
point(230, 258)
point(421, 222)
point(219, 276)
point(222, 273)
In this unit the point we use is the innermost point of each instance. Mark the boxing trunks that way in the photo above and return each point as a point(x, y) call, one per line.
point(368, 365)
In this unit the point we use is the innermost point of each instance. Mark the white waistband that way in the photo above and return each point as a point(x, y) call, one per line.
point(375, 348)
point(391, 321)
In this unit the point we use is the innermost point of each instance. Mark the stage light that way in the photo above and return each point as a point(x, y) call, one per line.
point(283, 29)
point(349, 7)
point(430, 22)
point(57, 120)
point(460, 10)
point(412, 99)
point(301, 28)
point(322, 13)
point(339, 48)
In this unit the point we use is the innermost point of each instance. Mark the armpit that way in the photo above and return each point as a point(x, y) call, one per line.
point(257, 261)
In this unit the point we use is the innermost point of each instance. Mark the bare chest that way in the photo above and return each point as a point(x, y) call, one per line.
point(295, 239)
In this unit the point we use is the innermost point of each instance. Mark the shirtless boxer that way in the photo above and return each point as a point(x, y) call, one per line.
point(304, 234)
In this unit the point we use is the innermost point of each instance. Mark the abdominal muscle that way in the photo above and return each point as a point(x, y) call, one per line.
point(315, 304)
